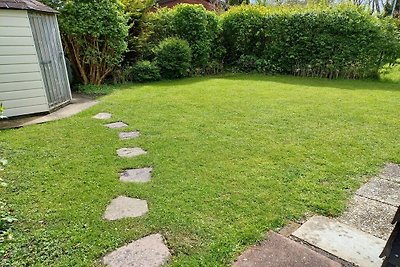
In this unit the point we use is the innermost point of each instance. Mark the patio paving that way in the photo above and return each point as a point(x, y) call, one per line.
point(142, 175)
point(130, 152)
point(381, 190)
point(125, 207)
point(279, 251)
point(149, 251)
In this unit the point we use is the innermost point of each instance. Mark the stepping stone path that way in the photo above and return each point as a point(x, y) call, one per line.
point(116, 125)
point(125, 207)
point(142, 175)
point(130, 152)
point(128, 135)
point(148, 251)
point(102, 116)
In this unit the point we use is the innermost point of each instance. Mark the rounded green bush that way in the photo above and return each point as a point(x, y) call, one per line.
point(173, 57)
point(144, 71)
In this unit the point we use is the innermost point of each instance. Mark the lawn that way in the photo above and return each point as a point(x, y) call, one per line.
point(233, 157)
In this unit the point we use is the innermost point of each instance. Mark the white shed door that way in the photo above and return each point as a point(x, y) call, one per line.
point(51, 58)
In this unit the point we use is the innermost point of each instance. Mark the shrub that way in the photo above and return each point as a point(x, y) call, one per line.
point(173, 56)
point(343, 41)
point(193, 23)
point(144, 71)
point(94, 34)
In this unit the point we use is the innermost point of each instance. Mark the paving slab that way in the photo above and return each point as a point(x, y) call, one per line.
point(342, 241)
point(370, 216)
point(125, 207)
point(130, 152)
point(142, 175)
point(279, 251)
point(391, 172)
point(381, 190)
point(102, 116)
point(149, 251)
point(116, 125)
point(129, 135)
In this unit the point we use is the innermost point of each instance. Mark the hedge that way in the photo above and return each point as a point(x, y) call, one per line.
point(342, 41)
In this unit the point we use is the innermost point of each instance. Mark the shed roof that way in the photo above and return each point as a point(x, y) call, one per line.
point(26, 5)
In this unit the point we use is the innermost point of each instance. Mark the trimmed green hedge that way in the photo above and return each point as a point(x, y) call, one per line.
point(342, 41)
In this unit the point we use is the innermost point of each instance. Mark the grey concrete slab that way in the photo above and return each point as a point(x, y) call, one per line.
point(279, 251)
point(370, 216)
point(102, 116)
point(129, 135)
point(78, 103)
point(149, 251)
point(125, 207)
point(381, 190)
point(141, 175)
point(342, 241)
point(116, 125)
point(391, 172)
point(130, 152)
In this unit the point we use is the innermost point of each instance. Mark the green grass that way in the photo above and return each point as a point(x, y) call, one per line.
point(233, 157)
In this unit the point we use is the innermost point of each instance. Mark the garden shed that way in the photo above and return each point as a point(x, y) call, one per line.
point(33, 74)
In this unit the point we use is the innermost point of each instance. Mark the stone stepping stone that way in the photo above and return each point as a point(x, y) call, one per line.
point(130, 152)
point(125, 207)
point(128, 135)
point(342, 241)
point(280, 251)
point(381, 190)
point(116, 125)
point(149, 251)
point(370, 216)
point(142, 175)
point(102, 116)
point(391, 172)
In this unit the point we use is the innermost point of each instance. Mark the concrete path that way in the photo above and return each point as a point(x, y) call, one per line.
point(125, 207)
point(77, 104)
point(149, 251)
point(279, 251)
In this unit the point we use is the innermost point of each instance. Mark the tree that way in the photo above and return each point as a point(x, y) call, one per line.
point(94, 35)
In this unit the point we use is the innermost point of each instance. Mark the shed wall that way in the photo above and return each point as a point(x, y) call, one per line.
point(21, 84)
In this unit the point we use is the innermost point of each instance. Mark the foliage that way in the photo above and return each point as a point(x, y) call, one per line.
point(342, 41)
point(193, 23)
point(6, 219)
point(2, 116)
point(94, 34)
point(144, 71)
point(173, 56)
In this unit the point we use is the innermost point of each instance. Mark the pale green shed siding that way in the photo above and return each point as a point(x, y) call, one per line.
point(21, 84)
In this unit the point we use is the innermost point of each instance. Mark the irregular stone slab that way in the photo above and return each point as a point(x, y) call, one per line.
point(102, 116)
point(342, 241)
point(381, 190)
point(279, 251)
point(370, 216)
point(142, 175)
point(128, 135)
point(125, 207)
point(149, 251)
point(130, 152)
point(391, 172)
point(116, 125)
